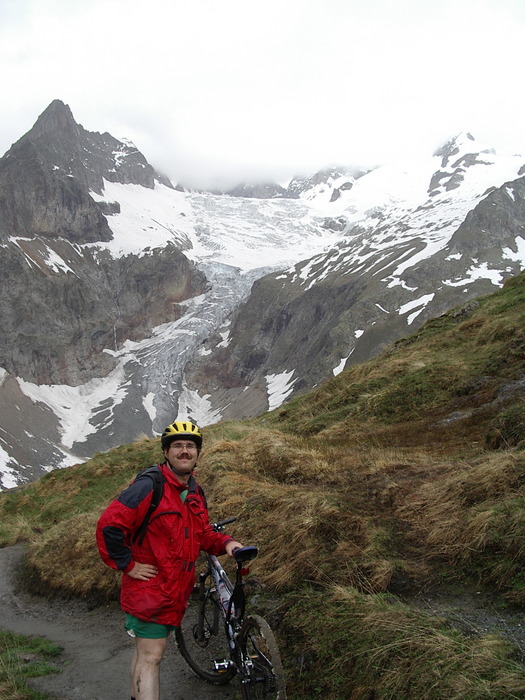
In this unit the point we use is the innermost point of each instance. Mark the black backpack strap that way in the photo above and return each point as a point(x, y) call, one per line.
point(194, 487)
point(157, 479)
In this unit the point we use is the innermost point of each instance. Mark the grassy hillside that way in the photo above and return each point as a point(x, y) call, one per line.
point(403, 474)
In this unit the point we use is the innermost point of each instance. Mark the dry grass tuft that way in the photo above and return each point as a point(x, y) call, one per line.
point(474, 516)
point(308, 505)
point(18, 529)
point(393, 651)
point(65, 559)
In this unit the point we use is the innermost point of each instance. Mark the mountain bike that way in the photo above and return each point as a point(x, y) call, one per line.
point(218, 641)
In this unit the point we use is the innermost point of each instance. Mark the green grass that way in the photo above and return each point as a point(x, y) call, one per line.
point(22, 658)
point(65, 493)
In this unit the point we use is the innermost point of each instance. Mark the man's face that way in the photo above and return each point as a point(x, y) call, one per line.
point(182, 455)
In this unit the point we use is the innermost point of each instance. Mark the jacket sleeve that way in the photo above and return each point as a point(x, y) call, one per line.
point(215, 542)
point(118, 523)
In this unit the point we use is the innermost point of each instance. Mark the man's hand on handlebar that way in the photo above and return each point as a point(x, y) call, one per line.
point(230, 546)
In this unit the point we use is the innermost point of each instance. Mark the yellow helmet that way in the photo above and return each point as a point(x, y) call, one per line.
point(181, 430)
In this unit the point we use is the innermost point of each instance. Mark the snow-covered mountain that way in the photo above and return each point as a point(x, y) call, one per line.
point(417, 239)
point(144, 302)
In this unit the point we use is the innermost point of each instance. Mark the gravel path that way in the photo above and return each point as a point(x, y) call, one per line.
point(97, 650)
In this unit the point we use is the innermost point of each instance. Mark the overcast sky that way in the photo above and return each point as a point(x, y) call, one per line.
point(212, 89)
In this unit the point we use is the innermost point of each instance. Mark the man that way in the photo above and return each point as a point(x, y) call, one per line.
point(159, 566)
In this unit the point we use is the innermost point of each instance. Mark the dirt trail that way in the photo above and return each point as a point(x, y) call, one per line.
point(97, 650)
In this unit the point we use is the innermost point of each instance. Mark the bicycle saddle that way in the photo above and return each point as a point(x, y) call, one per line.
point(244, 554)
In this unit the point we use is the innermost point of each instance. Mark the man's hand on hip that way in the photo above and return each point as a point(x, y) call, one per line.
point(143, 571)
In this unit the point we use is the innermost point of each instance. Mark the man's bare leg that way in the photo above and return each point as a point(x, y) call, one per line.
point(145, 668)
point(132, 674)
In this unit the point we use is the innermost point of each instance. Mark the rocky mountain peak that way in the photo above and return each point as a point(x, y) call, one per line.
point(48, 176)
point(59, 143)
point(463, 142)
point(458, 155)
point(56, 119)
point(332, 179)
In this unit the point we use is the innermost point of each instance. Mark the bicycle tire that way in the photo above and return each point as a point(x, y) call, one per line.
point(202, 656)
point(262, 661)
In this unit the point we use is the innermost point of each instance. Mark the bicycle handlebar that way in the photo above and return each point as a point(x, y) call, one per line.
point(222, 523)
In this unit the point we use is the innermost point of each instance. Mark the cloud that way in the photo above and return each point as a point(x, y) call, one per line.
point(210, 89)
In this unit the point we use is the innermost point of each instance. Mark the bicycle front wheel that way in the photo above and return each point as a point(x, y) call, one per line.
point(202, 641)
point(263, 669)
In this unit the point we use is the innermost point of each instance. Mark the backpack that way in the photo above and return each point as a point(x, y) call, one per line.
point(158, 480)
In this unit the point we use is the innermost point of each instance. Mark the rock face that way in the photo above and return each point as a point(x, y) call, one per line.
point(56, 321)
point(261, 191)
point(55, 326)
point(46, 178)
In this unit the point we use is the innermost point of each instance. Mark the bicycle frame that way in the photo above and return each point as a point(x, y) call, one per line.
point(219, 641)
point(231, 598)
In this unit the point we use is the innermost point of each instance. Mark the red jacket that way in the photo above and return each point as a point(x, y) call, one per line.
point(175, 535)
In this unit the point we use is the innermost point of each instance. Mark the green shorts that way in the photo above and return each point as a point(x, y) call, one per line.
point(148, 630)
